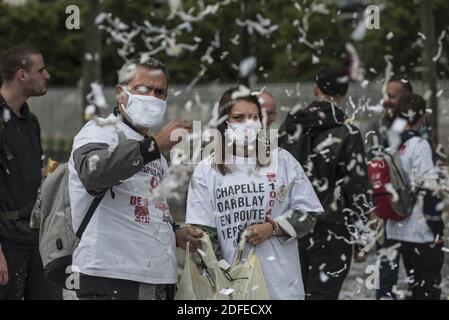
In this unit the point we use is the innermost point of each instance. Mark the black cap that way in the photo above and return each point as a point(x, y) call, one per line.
point(332, 82)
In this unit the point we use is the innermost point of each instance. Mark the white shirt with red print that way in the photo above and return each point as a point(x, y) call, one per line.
point(247, 196)
point(416, 159)
point(129, 236)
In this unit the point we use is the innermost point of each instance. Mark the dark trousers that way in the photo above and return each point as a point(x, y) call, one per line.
point(26, 278)
point(325, 263)
point(423, 263)
point(388, 271)
point(100, 288)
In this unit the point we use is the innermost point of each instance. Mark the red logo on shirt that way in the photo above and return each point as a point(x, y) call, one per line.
point(154, 182)
point(141, 212)
point(271, 176)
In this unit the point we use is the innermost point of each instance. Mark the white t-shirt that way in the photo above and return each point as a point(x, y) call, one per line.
point(232, 202)
point(416, 159)
point(128, 237)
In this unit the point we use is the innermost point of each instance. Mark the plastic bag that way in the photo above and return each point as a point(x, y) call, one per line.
point(247, 279)
point(205, 280)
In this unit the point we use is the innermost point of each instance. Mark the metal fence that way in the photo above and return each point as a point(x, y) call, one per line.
point(60, 114)
point(60, 110)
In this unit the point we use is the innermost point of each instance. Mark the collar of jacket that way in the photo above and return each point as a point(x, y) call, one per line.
point(24, 110)
point(408, 134)
point(320, 115)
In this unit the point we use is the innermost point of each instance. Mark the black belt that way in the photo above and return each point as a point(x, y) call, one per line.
point(22, 213)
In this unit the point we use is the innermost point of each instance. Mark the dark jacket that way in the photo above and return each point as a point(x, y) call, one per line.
point(20, 174)
point(332, 155)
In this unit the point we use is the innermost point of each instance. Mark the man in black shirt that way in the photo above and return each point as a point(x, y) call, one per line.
point(24, 75)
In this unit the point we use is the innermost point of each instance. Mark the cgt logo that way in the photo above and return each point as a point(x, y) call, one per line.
point(141, 212)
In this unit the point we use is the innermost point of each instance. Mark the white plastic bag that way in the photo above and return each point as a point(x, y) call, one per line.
point(248, 280)
point(205, 280)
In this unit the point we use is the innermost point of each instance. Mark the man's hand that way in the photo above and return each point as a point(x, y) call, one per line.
point(189, 233)
point(258, 233)
point(360, 256)
point(375, 221)
point(3, 269)
point(163, 137)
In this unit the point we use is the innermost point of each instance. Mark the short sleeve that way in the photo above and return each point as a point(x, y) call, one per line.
point(200, 209)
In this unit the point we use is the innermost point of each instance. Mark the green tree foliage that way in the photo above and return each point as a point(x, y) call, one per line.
point(281, 57)
point(403, 21)
point(42, 24)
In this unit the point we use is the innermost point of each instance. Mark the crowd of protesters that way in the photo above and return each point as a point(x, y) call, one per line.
point(307, 210)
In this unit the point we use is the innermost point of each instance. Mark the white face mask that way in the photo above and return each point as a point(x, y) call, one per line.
point(243, 134)
point(144, 111)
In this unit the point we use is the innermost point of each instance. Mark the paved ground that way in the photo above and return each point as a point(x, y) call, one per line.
point(355, 287)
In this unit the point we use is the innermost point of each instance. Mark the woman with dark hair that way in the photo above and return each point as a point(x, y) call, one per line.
point(235, 190)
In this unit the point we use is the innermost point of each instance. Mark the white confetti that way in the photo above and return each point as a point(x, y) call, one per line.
point(6, 114)
point(323, 277)
point(92, 162)
point(247, 66)
point(364, 84)
point(96, 96)
point(235, 40)
point(89, 112)
point(440, 46)
point(226, 291)
point(254, 288)
point(188, 105)
point(422, 35)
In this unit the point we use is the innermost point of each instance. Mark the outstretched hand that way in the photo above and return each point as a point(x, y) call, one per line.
point(360, 256)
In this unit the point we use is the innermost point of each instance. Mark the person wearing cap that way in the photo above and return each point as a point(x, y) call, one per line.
point(332, 154)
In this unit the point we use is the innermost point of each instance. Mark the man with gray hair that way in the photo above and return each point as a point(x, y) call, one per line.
point(127, 250)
